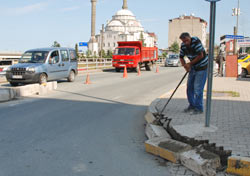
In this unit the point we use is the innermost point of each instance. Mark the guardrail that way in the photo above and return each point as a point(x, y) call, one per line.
point(101, 63)
point(94, 63)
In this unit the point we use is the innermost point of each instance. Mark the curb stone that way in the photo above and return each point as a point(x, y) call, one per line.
point(166, 148)
point(239, 165)
point(7, 94)
point(153, 131)
point(155, 149)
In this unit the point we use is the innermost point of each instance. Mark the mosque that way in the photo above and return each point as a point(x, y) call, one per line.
point(122, 27)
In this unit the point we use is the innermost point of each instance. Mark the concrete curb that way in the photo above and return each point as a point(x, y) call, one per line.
point(239, 165)
point(192, 157)
point(7, 94)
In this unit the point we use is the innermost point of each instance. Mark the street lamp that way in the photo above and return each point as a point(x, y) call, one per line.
point(210, 60)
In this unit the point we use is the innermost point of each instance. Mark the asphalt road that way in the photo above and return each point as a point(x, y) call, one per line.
point(84, 130)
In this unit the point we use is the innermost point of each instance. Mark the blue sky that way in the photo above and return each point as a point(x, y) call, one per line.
point(38, 23)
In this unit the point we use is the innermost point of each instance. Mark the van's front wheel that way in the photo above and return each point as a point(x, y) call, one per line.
point(71, 77)
point(42, 78)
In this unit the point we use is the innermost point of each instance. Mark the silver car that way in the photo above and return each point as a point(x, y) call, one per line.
point(172, 60)
point(42, 65)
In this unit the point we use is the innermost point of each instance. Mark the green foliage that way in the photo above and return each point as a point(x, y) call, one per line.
point(56, 44)
point(102, 54)
point(109, 54)
point(88, 53)
point(164, 54)
point(175, 47)
point(76, 48)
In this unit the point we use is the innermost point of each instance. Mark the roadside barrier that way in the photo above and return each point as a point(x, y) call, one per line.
point(125, 73)
point(87, 80)
point(157, 69)
point(139, 72)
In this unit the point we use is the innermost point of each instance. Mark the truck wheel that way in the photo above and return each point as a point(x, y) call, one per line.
point(42, 78)
point(149, 66)
point(117, 69)
point(243, 73)
point(13, 84)
point(71, 77)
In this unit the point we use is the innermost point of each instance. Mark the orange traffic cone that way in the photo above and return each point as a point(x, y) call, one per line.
point(125, 74)
point(87, 80)
point(157, 69)
point(139, 72)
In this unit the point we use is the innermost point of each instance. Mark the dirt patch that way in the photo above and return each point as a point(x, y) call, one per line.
point(172, 146)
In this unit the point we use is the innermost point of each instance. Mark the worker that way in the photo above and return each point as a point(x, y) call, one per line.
point(192, 48)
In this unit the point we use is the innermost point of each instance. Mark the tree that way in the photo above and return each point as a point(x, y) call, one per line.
point(56, 44)
point(164, 54)
point(109, 54)
point(76, 48)
point(142, 39)
point(175, 47)
point(88, 53)
point(102, 54)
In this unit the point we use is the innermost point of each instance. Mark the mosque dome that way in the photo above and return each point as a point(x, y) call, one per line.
point(124, 21)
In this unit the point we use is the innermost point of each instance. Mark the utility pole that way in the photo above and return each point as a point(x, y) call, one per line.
point(236, 12)
point(210, 60)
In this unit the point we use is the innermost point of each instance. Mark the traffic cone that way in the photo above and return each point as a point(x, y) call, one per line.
point(125, 74)
point(139, 72)
point(87, 80)
point(157, 69)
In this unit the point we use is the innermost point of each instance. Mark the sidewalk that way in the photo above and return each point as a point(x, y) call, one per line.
point(230, 116)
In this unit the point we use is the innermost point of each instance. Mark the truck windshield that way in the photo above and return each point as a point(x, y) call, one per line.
point(34, 57)
point(124, 51)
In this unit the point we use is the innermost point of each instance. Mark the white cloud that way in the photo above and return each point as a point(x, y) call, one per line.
point(70, 9)
point(25, 9)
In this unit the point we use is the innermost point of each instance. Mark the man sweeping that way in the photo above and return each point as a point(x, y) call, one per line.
point(193, 49)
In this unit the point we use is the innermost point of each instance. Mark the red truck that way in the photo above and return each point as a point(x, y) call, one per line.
point(134, 56)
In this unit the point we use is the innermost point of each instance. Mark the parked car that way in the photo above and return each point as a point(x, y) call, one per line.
point(173, 60)
point(243, 58)
point(42, 65)
point(245, 68)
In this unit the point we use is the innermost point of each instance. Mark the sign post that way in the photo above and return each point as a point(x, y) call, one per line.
point(210, 60)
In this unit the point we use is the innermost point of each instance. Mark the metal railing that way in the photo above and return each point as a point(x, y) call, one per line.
point(101, 63)
point(94, 63)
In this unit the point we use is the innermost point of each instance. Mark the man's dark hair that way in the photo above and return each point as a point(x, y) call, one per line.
point(184, 35)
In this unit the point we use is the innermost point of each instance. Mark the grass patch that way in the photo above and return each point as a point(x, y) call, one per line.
point(230, 93)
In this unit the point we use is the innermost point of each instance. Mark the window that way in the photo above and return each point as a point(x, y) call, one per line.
point(114, 44)
point(64, 55)
point(34, 57)
point(54, 57)
point(73, 56)
point(137, 52)
point(108, 44)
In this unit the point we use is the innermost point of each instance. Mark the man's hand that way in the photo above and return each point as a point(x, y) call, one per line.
point(187, 67)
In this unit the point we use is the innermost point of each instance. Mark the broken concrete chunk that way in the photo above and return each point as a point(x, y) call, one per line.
point(166, 148)
point(153, 131)
point(200, 161)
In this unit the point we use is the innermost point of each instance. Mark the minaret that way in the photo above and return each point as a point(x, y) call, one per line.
point(125, 4)
point(93, 45)
point(93, 19)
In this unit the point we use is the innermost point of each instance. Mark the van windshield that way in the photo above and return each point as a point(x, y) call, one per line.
point(124, 51)
point(34, 57)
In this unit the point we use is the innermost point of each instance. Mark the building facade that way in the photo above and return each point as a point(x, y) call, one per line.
point(123, 27)
point(195, 26)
